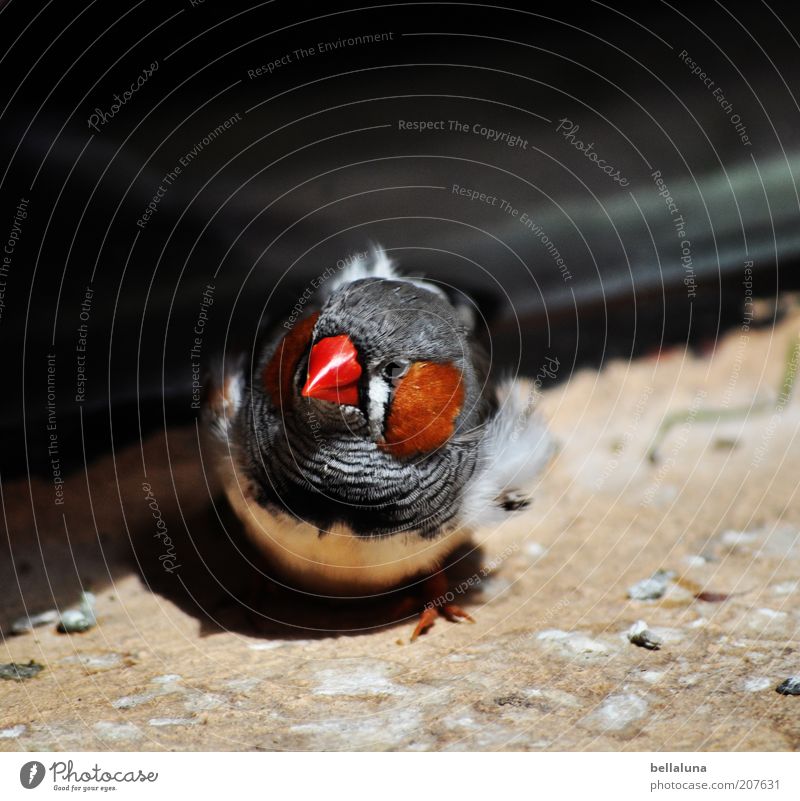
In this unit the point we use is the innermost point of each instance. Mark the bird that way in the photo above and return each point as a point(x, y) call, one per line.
point(363, 441)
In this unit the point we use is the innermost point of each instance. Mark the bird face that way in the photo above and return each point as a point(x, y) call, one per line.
point(387, 358)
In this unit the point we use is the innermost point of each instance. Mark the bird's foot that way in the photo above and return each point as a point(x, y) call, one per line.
point(428, 616)
point(438, 604)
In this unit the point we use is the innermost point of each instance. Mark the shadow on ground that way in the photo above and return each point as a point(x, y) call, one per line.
point(106, 530)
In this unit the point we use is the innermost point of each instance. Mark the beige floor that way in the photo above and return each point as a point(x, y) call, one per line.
point(546, 666)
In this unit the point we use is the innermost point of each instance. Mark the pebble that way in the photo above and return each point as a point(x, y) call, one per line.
point(558, 697)
point(755, 656)
point(25, 624)
point(660, 495)
point(572, 642)
point(243, 685)
point(172, 721)
point(130, 701)
point(771, 614)
point(273, 644)
point(13, 732)
point(167, 678)
point(164, 685)
point(617, 712)
point(366, 678)
point(493, 587)
point(770, 623)
point(652, 676)
point(74, 621)
point(652, 588)
point(640, 635)
point(790, 686)
point(16, 672)
point(695, 560)
point(201, 702)
point(533, 550)
point(780, 540)
point(772, 540)
point(756, 684)
point(116, 732)
point(734, 539)
point(391, 729)
point(94, 663)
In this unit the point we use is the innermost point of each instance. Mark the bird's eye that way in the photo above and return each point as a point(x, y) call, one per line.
point(395, 370)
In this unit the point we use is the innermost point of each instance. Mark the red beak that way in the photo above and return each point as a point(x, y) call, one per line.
point(333, 371)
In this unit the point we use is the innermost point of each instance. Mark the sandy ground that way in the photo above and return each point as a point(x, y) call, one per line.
point(176, 663)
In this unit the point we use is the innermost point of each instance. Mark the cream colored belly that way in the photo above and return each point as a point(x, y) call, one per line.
point(338, 562)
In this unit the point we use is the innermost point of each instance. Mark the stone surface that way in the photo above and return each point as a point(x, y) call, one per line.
point(176, 661)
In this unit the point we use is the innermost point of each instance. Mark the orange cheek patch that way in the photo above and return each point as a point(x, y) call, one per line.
point(424, 409)
point(279, 372)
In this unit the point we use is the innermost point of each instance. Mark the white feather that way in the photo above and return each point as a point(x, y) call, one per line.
point(515, 449)
point(225, 397)
point(376, 265)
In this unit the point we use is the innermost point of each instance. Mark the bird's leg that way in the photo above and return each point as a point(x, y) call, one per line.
point(426, 619)
point(438, 602)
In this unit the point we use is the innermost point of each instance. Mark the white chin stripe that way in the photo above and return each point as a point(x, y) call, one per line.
point(378, 398)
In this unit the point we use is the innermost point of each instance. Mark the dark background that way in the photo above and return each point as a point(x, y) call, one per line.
point(317, 169)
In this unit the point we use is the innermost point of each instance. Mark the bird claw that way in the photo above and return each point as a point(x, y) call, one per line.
point(429, 614)
point(455, 613)
point(426, 619)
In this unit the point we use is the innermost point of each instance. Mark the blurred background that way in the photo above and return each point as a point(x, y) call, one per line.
point(602, 181)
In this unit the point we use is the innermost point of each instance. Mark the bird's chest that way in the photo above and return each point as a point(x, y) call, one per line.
point(335, 560)
point(352, 481)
